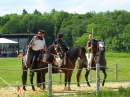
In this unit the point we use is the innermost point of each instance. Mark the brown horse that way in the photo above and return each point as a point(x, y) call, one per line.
point(51, 52)
point(71, 57)
point(99, 58)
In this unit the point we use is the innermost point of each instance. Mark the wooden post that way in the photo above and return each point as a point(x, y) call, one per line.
point(116, 72)
point(97, 78)
point(50, 80)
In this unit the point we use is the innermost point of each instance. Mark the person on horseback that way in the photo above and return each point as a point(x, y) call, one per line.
point(36, 45)
point(92, 49)
point(64, 47)
point(59, 40)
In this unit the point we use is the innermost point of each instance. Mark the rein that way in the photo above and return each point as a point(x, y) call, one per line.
point(70, 61)
point(47, 61)
point(52, 55)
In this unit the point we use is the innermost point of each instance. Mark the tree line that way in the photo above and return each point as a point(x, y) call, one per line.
point(113, 27)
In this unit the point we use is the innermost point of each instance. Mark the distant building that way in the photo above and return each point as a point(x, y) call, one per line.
point(22, 39)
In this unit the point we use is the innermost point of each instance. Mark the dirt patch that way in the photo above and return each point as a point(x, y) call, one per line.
point(59, 89)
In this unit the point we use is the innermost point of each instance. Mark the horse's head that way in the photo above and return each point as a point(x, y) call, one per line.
point(58, 49)
point(82, 52)
point(101, 45)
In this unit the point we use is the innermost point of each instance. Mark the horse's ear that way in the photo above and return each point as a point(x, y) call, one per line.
point(55, 42)
point(102, 39)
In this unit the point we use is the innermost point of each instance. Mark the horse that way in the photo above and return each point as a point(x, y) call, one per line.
point(52, 51)
point(99, 58)
point(71, 57)
point(42, 65)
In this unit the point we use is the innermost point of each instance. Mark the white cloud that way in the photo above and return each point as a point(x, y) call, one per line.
point(71, 6)
point(114, 3)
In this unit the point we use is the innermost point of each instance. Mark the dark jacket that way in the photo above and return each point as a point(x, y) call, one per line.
point(62, 44)
point(94, 44)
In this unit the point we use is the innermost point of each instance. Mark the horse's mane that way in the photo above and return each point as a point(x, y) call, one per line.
point(50, 49)
point(72, 53)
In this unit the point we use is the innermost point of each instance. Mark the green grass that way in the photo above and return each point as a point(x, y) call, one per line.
point(11, 71)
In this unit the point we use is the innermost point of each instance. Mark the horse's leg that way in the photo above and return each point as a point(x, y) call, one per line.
point(31, 80)
point(38, 79)
point(86, 77)
point(43, 80)
point(66, 80)
point(24, 77)
point(105, 75)
point(79, 69)
point(69, 79)
point(78, 77)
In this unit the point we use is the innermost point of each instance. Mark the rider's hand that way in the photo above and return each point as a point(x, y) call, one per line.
point(29, 46)
point(89, 47)
point(68, 47)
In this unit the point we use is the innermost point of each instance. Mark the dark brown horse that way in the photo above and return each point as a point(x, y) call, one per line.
point(52, 51)
point(99, 58)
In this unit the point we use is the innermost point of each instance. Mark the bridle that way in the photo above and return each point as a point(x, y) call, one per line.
point(101, 45)
point(53, 54)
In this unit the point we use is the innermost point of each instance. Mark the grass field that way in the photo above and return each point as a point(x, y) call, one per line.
point(11, 71)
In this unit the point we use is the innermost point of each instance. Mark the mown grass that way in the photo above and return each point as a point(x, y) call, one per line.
point(11, 72)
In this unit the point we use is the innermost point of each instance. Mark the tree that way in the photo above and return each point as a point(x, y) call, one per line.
point(37, 12)
point(24, 12)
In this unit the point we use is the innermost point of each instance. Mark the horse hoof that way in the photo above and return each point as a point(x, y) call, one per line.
point(65, 89)
point(88, 84)
point(24, 89)
point(33, 89)
point(43, 88)
point(78, 85)
point(69, 89)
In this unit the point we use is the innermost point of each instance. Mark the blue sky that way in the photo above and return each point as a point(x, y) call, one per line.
point(71, 6)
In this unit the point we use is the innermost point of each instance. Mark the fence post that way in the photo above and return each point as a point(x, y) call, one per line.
point(116, 71)
point(97, 78)
point(50, 80)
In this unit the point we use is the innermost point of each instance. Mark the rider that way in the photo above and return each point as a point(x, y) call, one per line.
point(35, 46)
point(92, 50)
point(63, 45)
point(59, 39)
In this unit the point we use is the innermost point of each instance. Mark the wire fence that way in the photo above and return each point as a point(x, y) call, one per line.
point(116, 73)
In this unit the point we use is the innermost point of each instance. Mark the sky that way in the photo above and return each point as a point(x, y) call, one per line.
point(71, 6)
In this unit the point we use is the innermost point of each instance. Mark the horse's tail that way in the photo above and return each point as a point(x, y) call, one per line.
point(24, 61)
point(24, 72)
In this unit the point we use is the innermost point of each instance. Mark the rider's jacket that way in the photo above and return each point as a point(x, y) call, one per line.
point(93, 44)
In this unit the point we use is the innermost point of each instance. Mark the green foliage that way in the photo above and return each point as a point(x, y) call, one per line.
point(81, 41)
point(113, 27)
